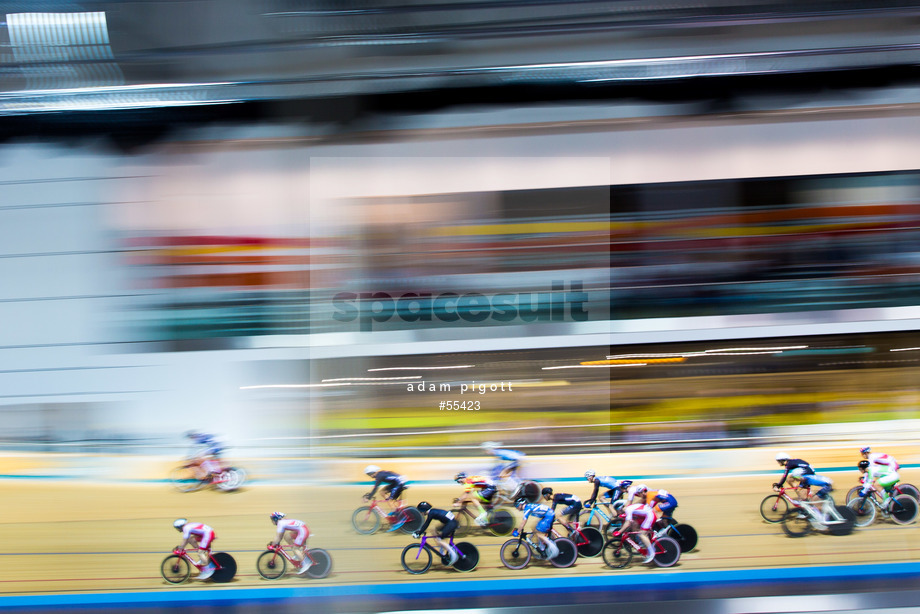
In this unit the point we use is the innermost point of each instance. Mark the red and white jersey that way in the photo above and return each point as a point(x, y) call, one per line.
point(300, 530)
point(884, 460)
point(201, 533)
point(641, 513)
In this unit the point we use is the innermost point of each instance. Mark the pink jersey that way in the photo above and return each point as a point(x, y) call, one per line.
point(884, 460)
point(297, 527)
point(641, 513)
point(201, 533)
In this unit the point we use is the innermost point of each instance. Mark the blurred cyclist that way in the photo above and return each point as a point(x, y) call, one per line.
point(882, 475)
point(512, 460)
point(544, 526)
point(614, 488)
point(198, 536)
point(393, 485)
point(809, 480)
point(790, 464)
point(572, 503)
point(449, 525)
point(484, 489)
point(641, 516)
point(883, 460)
point(665, 503)
point(295, 533)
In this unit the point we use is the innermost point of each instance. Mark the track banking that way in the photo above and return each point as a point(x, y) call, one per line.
point(557, 305)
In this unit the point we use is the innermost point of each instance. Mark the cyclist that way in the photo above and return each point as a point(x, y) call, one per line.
point(544, 526)
point(665, 503)
point(634, 492)
point(393, 485)
point(200, 537)
point(572, 503)
point(205, 453)
point(809, 480)
point(882, 475)
point(789, 464)
point(295, 533)
point(640, 515)
point(449, 525)
point(614, 488)
point(485, 490)
point(512, 460)
point(884, 460)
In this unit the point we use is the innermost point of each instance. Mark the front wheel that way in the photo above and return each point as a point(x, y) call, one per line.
point(684, 535)
point(568, 552)
point(796, 523)
point(416, 559)
point(322, 563)
point(515, 554)
point(903, 509)
point(230, 479)
point(617, 553)
point(774, 508)
point(184, 479)
point(175, 569)
point(853, 493)
point(271, 565)
point(864, 510)
point(365, 520)
point(470, 557)
point(500, 523)
point(667, 552)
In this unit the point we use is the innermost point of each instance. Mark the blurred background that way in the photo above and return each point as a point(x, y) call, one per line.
point(666, 224)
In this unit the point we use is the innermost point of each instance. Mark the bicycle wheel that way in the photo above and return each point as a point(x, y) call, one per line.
point(617, 554)
point(568, 552)
point(773, 508)
point(667, 552)
point(464, 525)
point(470, 557)
point(903, 509)
point(183, 479)
point(515, 554)
point(864, 510)
point(230, 479)
point(365, 520)
point(322, 563)
point(413, 520)
point(614, 525)
point(588, 519)
point(588, 540)
point(853, 493)
point(908, 489)
point(846, 523)
point(175, 569)
point(530, 491)
point(416, 559)
point(227, 567)
point(271, 565)
point(684, 535)
point(796, 523)
point(501, 523)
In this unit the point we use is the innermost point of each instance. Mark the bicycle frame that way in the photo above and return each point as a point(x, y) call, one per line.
point(280, 549)
point(608, 515)
point(185, 555)
point(424, 544)
point(639, 547)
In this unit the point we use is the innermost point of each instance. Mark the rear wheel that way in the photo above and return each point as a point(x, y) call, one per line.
point(588, 540)
point(908, 489)
point(416, 559)
point(365, 520)
point(530, 491)
point(413, 520)
point(515, 554)
point(470, 557)
point(774, 508)
point(501, 522)
point(230, 479)
point(567, 553)
point(175, 569)
point(796, 523)
point(667, 552)
point(903, 509)
point(227, 567)
point(848, 521)
point(271, 565)
point(464, 524)
point(864, 510)
point(684, 535)
point(617, 554)
point(322, 563)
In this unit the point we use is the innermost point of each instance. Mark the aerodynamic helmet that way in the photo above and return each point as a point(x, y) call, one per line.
point(276, 516)
point(423, 507)
point(180, 523)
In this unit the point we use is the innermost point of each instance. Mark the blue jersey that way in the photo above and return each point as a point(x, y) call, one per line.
point(667, 504)
point(608, 483)
point(537, 510)
point(509, 455)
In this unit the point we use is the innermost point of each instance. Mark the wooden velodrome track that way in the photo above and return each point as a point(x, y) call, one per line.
point(69, 537)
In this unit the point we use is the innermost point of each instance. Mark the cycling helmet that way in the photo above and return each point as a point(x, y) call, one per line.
point(180, 523)
point(641, 488)
point(782, 457)
point(520, 503)
point(589, 474)
point(547, 492)
point(371, 469)
point(662, 494)
point(489, 445)
point(865, 450)
point(459, 477)
point(423, 507)
point(797, 473)
point(863, 465)
point(276, 516)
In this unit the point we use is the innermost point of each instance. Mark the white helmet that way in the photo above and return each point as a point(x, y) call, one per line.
point(489, 445)
point(641, 488)
point(371, 469)
point(782, 457)
point(662, 494)
point(589, 474)
point(180, 523)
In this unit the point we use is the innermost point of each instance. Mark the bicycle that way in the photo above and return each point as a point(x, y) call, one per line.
point(368, 518)
point(588, 540)
point(177, 567)
point(190, 477)
point(898, 489)
point(601, 515)
point(901, 509)
point(467, 556)
point(499, 520)
point(821, 515)
point(511, 489)
point(272, 563)
point(516, 553)
point(774, 507)
point(620, 549)
point(683, 534)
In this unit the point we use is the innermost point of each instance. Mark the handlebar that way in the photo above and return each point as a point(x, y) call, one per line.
point(179, 551)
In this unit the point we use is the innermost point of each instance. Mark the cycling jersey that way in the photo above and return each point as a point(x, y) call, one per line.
point(614, 487)
point(508, 455)
point(884, 461)
point(667, 505)
point(477, 481)
point(207, 445)
point(447, 519)
point(572, 503)
point(393, 482)
point(642, 513)
point(795, 463)
point(543, 512)
point(201, 533)
point(297, 527)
